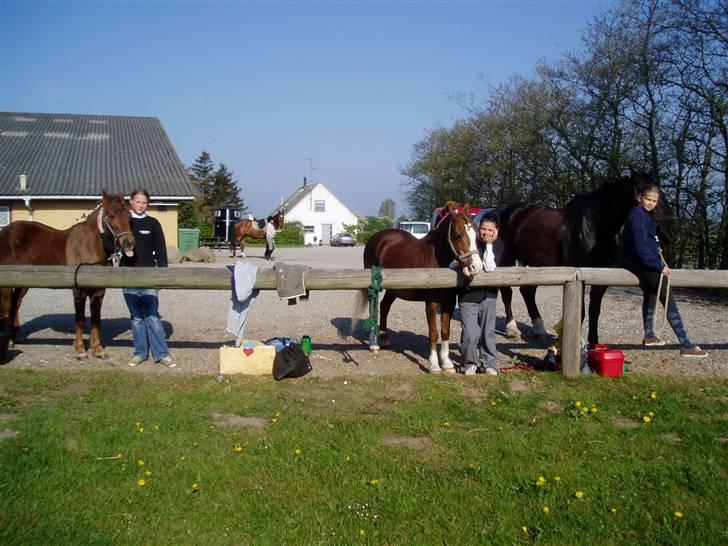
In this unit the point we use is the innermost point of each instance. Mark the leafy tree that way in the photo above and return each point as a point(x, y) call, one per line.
point(214, 188)
point(387, 209)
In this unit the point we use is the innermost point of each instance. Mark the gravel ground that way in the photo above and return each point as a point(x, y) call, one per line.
point(195, 324)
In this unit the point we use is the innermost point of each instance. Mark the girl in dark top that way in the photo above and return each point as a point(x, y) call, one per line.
point(150, 250)
point(641, 255)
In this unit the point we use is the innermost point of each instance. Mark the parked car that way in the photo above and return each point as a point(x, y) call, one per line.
point(418, 229)
point(343, 239)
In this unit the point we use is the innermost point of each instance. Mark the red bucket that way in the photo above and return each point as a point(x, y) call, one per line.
point(605, 361)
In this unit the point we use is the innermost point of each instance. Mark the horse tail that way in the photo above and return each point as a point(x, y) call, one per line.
point(361, 307)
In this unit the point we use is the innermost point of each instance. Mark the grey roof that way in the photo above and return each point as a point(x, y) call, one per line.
point(296, 197)
point(81, 155)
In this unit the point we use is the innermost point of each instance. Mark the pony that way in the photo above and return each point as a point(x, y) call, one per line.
point(253, 228)
point(33, 243)
point(581, 235)
point(452, 240)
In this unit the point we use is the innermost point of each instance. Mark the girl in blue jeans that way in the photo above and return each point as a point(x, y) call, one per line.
point(150, 250)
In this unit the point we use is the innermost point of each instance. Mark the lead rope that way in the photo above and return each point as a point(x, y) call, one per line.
point(667, 293)
point(375, 287)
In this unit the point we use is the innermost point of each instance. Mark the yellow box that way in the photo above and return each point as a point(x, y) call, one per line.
point(252, 358)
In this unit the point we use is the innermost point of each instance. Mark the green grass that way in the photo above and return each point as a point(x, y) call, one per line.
point(328, 467)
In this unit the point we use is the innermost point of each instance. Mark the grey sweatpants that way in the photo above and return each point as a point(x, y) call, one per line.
point(477, 341)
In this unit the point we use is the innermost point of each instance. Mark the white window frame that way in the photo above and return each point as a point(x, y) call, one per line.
point(309, 229)
point(319, 205)
point(8, 210)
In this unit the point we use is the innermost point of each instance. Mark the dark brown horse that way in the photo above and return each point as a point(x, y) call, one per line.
point(394, 248)
point(33, 243)
point(583, 234)
point(253, 228)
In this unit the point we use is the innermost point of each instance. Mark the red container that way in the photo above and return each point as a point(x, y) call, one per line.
point(605, 361)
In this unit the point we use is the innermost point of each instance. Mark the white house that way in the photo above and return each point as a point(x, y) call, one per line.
point(320, 212)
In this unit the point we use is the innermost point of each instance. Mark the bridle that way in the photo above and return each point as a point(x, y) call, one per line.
point(115, 257)
point(460, 257)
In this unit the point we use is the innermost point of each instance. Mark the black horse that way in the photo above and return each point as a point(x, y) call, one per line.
point(583, 234)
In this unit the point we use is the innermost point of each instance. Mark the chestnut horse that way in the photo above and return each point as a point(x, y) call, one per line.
point(452, 240)
point(33, 243)
point(253, 228)
point(582, 235)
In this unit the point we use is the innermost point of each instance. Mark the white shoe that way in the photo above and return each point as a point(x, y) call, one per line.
point(470, 369)
point(135, 361)
point(491, 371)
point(167, 361)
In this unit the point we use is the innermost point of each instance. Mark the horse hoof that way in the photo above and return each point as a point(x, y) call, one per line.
point(374, 348)
point(435, 369)
point(451, 369)
point(102, 356)
point(81, 356)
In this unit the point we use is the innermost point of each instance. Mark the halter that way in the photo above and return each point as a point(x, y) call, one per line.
point(460, 257)
point(115, 257)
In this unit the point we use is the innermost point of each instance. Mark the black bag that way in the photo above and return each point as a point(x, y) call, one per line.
point(291, 362)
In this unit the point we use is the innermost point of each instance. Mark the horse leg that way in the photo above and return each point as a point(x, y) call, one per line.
point(242, 246)
point(233, 244)
point(596, 294)
point(512, 331)
point(431, 312)
point(447, 308)
point(17, 299)
point(79, 304)
point(5, 299)
point(529, 296)
point(384, 306)
point(96, 298)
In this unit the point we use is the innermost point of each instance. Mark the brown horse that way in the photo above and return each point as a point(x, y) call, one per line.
point(33, 243)
point(581, 235)
point(253, 228)
point(394, 248)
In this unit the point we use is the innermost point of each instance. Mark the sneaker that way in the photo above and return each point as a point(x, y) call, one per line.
point(135, 361)
point(693, 352)
point(652, 342)
point(167, 361)
point(470, 369)
point(491, 371)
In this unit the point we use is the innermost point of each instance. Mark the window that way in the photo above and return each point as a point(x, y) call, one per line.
point(308, 229)
point(319, 206)
point(4, 215)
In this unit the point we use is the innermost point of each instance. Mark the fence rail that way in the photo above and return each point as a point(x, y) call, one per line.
point(219, 278)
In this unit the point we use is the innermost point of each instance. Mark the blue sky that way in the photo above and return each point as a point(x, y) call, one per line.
point(263, 86)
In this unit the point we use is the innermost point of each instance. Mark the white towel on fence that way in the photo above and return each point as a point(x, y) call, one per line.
point(242, 296)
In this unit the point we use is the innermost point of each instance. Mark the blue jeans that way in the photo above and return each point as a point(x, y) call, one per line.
point(146, 327)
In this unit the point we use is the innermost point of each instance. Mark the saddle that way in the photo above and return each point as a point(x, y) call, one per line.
point(260, 222)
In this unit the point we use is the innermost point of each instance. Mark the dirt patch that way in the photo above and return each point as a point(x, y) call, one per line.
point(672, 437)
point(723, 440)
point(478, 395)
point(519, 386)
point(7, 416)
point(624, 423)
point(552, 407)
point(412, 442)
point(7, 433)
point(399, 391)
point(230, 420)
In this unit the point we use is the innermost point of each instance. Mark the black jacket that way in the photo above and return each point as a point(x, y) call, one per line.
point(477, 294)
point(150, 248)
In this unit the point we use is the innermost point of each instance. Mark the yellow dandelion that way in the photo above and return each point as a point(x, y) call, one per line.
point(646, 418)
point(182, 458)
point(541, 481)
point(557, 478)
point(141, 429)
point(119, 455)
point(278, 414)
point(195, 487)
point(585, 410)
point(137, 424)
point(634, 397)
point(614, 510)
point(678, 515)
point(141, 483)
point(238, 448)
point(653, 395)
point(156, 427)
point(148, 473)
point(297, 451)
point(374, 482)
point(579, 494)
point(446, 424)
point(546, 510)
point(362, 532)
point(140, 462)
point(577, 404)
point(347, 459)
point(651, 413)
point(524, 529)
point(273, 420)
point(493, 402)
point(594, 409)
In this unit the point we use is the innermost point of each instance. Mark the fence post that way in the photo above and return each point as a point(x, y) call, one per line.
point(571, 342)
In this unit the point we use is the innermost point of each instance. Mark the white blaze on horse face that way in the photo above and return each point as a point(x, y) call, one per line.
point(476, 264)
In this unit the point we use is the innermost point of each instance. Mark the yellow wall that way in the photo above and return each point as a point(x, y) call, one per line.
point(63, 214)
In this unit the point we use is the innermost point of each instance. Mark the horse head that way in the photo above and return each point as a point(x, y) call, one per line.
point(459, 229)
point(116, 219)
point(278, 219)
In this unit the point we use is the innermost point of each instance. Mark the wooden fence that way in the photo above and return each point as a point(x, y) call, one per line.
point(219, 278)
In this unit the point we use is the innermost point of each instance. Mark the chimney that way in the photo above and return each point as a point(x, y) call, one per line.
point(23, 182)
point(304, 181)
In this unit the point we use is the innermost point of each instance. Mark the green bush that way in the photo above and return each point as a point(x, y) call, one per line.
point(291, 234)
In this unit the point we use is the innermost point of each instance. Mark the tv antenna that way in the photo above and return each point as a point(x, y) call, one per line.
point(310, 163)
